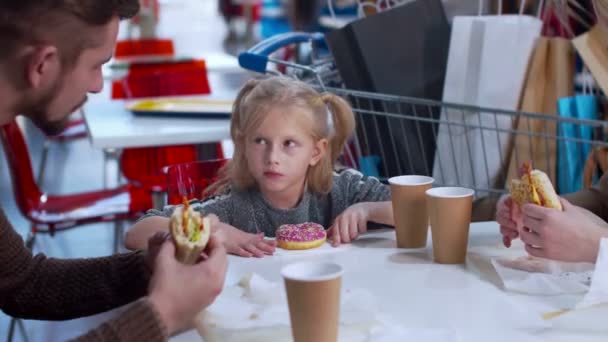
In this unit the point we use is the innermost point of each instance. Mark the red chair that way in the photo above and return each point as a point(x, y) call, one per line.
point(144, 47)
point(144, 166)
point(53, 213)
point(191, 180)
point(163, 79)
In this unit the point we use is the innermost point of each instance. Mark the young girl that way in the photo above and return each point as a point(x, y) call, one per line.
point(282, 172)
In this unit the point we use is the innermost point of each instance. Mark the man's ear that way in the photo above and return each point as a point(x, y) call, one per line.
point(319, 151)
point(43, 66)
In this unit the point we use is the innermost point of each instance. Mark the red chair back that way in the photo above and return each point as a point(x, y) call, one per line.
point(144, 47)
point(163, 79)
point(190, 180)
point(146, 166)
point(26, 191)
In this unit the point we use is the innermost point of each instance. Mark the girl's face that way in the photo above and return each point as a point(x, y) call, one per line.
point(280, 151)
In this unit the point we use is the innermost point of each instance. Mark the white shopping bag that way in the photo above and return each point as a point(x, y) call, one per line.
point(487, 65)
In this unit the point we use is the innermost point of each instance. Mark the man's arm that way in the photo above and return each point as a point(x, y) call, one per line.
point(141, 322)
point(594, 199)
point(37, 287)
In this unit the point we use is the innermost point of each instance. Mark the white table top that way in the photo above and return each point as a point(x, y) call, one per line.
point(111, 125)
point(468, 300)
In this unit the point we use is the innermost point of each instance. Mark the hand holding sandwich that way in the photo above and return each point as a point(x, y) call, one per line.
point(569, 235)
point(533, 186)
point(550, 227)
point(179, 291)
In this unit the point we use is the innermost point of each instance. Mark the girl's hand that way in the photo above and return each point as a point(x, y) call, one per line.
point(244, 244)
point(348, 226)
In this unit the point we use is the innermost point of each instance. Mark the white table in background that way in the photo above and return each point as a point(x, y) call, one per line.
point(112, 126)
point(419, 293)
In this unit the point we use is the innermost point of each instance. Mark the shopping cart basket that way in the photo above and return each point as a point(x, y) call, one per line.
point(475, 147)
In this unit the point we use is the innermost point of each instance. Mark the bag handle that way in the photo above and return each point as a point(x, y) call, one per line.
point(597, 158)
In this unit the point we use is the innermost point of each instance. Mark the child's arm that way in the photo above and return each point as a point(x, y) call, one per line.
point(235, 241)
point(359, 200)
point(353, 221)
point(137, 237)
point(380, 212)
point(244, 244)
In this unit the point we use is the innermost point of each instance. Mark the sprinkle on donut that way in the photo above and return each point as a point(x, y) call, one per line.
point(300, 232)
point(300, 236)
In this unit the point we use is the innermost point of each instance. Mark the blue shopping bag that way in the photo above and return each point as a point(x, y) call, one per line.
point(571, 155)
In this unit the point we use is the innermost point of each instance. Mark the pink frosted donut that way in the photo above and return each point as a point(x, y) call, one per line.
point(300, 236)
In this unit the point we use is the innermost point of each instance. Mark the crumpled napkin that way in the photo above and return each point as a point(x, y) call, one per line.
point(598, 292)
point(589, 314)
point(256, 309)
point(537, 276)
point(522, 273)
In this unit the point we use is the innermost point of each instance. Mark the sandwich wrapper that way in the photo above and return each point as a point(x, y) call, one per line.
point(537, 276)
point(584, 316)
point(256, 309)
point(526, 274)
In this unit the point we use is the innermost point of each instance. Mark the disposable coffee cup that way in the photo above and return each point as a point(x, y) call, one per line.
point(410, 209)
point(313, 295)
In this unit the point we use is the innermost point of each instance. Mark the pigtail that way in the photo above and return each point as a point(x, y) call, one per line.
point(321, 175)
point(227, 174)
point(344, 123)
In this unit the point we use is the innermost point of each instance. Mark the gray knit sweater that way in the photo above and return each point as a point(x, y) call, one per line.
point(249, 211)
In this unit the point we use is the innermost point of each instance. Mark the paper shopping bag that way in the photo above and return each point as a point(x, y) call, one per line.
point(550, 77)
point(572, 154)
point(593, 49)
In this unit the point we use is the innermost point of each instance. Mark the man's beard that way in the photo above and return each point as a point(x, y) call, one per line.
point(38, 112)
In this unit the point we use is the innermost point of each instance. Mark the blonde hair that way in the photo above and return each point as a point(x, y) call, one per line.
point(252, 104)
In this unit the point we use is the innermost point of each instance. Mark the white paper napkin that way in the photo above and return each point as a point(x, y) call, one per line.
point(598, 291)
point(539, 276)
point(256, 310)
point(589, 314)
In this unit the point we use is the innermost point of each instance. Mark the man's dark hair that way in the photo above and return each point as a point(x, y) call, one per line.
point(64, 23)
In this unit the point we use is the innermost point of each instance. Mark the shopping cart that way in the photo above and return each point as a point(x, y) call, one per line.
point(459, 145)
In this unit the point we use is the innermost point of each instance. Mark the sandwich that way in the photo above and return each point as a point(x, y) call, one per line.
point(534, 186)
point(190, 232)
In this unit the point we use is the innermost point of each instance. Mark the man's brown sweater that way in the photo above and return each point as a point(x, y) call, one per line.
point(37, 287)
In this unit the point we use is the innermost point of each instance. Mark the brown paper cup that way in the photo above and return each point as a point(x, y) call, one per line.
point(409, 209)
point(313, 295)
point(450, 215)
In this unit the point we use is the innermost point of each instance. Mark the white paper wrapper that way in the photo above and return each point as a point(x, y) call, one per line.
point(538, 276)
point(589, 314)
point(256, 310)
point(598, 292)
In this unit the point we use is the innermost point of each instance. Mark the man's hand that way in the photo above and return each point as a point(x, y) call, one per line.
point(179, 292)
point(570, 235)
